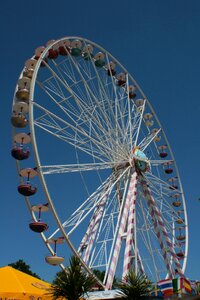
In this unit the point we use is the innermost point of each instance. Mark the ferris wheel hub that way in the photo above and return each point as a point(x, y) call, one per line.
point(140, 160)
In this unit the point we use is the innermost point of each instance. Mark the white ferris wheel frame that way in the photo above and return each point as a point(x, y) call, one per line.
point(40, 170)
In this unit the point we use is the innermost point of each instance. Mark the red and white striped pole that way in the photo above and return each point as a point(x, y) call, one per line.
point(155, 213)
point(93, 231)
point(123, 223)
point(148, 197)
point(130, 228)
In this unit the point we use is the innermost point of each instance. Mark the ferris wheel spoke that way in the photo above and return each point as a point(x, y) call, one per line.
point(119, 113)
point(160, 185)
point(100, 89)
point(64, 100)
point(110, 110)
point(131, 127)
point(126, 114)
point(89, 120)
point(148, 140)
point(135, 129)
point(66, 69)
point(52, 87)
point(78, 129)
point(63, 135)
point(84, 120)
point(139, 260)
point(109, 187)
point(62, 75)
point(86, 206)
point(80, 100)
point(105, 233)
point(101, 94)
point(147, 244)
point(94, 225)
point(58, 169)
point(154, 162)
point(90, 204)
point(132, 124)
point(91, 94)
point(66, 123)
point(140, 123)
point(73, 89)
point(162, 196)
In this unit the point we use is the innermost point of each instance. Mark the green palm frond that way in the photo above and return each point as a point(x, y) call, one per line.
point(73, 283)
point(134, 286)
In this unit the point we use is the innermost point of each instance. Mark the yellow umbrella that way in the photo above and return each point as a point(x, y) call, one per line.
point(16, 285)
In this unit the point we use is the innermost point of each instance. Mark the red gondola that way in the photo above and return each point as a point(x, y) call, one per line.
point(64, 47)
point(180, 255)
point(19, 153)
point(26, 189)
point(38, 226)
point(163, 152)
point(53, 54)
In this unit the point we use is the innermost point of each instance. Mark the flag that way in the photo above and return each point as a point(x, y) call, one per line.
point(156, 292)
point(187, 285)
point(193, 284)
point(166, 287)
point(177, 285)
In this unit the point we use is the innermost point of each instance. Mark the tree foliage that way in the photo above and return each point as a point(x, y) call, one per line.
point(134, 286)
point(23, 267)
point(73, 283)
point(99, 274)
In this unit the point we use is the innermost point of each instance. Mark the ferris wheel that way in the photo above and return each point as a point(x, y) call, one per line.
point(94, 162)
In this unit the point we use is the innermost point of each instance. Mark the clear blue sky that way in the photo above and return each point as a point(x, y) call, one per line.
point(158, 42)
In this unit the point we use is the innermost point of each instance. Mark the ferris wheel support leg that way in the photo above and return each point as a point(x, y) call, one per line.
point(148, 197)
point(157, 215)
point(130, 228)
point(123, 223)
point(88, 231)
point(139, 261)
point(97, 219)
point(86, 235)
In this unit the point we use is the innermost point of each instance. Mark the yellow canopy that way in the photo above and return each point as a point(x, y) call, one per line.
point(16, 285)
